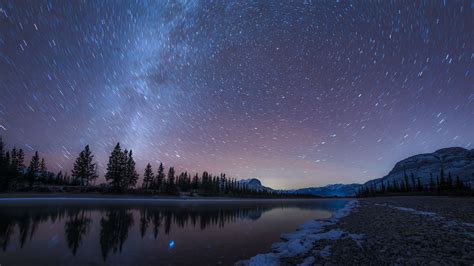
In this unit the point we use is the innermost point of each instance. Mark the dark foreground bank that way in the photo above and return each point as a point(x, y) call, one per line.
point(399, 230)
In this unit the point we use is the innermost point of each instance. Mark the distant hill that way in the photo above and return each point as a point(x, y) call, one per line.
point(457, 161)
point(255, 184)
point(340, 190)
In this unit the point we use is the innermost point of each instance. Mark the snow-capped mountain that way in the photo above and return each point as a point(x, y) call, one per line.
point(339, 190)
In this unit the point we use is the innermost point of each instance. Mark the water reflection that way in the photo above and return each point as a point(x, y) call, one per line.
point(76, 227)
point(114, 223)
point(114, 229)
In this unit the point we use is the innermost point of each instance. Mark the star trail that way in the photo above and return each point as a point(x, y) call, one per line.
point(295, 93)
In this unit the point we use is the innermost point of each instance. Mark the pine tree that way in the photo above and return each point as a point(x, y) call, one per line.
point(20, 162)
point(2, 150)
point(432, 183)
point(115, 168)
point(33, 169)
point(13, 158)
point(413, 182)
point(406, 186)
point(449, 183)
point(59, 178)
point(459, 184)
point(171, 182)
point(43, 170)
point(84, 169)
point(5, 177)
point(419, 185)
point(442, 180)
point(131, 176)
point(148, 177)
point(160, 177)
point(195, 182)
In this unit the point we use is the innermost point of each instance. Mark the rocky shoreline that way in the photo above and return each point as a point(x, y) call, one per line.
point(388, 231)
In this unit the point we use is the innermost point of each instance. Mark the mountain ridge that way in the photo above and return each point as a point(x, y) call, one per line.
point(456, 161)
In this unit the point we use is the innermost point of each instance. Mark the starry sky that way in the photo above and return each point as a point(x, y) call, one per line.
point(295, 93)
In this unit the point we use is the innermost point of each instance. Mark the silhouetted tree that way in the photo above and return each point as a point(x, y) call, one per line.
point(171, 186)
point(43, 171)
point(159, 178)
point(432, 183)
point(115, 168)
point(33, 169)
point(449, 182)
point(84, 169)
point(148, 177)
point(131, 175)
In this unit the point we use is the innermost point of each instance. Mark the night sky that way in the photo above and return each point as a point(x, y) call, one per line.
point(296, 93)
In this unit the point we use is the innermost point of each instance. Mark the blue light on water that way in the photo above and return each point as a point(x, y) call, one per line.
point(171, 244)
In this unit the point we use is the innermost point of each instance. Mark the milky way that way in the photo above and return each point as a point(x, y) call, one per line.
point(296, 93)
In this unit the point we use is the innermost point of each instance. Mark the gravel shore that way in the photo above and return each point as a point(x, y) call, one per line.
point(399, 230)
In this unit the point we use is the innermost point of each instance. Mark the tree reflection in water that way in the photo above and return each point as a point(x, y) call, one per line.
point(76, 227)
point(114, 230)
point(116, 221)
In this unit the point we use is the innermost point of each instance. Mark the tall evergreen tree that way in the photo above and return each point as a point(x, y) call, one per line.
point(131, 175)
point(20, 162)
point(5, 177)
point(432, 183)
point(148, 177)
point(406, 186)
point(459, 184)
point(43, 170)
point(160, 177)
point(84, 169)
point(33, 169)
point(442, 180)
point(115, 168)
point(413, 182)
point(449, 183)
point(171, 186)
point(2, 150)
point(419, 185)
point(195, 182)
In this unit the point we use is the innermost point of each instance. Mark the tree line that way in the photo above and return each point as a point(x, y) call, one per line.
point(442, 184)
point(16, 175)
point(121, 176)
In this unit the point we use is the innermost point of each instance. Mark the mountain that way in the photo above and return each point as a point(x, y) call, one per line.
point(457, 161)
point(339, 190)
point(254, 184)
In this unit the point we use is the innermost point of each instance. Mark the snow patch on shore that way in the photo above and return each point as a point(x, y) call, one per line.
point(436, 217)
point(302, 240)
point(432, 214)
point(325, 252)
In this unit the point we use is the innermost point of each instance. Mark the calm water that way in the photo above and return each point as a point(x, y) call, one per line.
point(97, 232)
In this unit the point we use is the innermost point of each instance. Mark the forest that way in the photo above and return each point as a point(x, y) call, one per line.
point(441, 185)
point(121, 177)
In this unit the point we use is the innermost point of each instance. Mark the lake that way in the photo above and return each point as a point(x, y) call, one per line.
point(143, 232)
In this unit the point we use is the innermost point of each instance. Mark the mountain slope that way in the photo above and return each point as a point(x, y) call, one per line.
point(457, 161)
point(254, 184)
point(339, 190)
